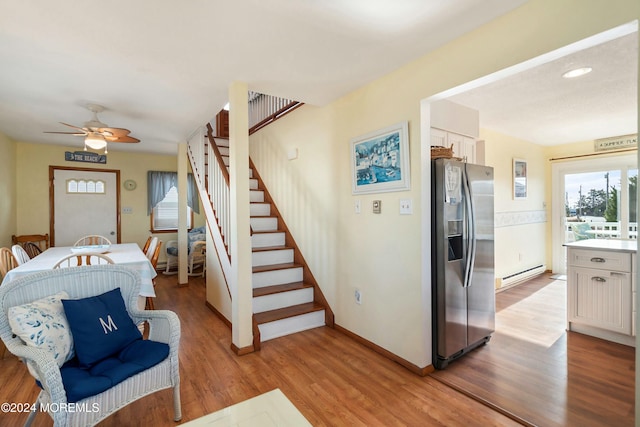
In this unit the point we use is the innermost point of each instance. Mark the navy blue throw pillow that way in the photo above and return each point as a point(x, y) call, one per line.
point(100, 326)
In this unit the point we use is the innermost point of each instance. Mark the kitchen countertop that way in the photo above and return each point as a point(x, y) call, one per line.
point(605, 244)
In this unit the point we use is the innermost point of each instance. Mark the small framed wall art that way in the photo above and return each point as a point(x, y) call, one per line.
point(519, 179)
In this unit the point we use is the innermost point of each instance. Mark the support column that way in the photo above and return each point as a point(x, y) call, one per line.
point(241, 271)
point(183, 277)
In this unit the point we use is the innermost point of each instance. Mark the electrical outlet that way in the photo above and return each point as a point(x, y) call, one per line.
point(358, 296)
point(377, 206)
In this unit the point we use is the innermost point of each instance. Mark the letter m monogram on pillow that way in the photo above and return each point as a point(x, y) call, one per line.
point(109, 325)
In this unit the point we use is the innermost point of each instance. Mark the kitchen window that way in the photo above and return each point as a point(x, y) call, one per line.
point(593, 199)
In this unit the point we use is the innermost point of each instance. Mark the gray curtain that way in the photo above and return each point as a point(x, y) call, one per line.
point(159, 183)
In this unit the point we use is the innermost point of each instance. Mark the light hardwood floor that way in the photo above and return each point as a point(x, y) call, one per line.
point(335, 381)
point(547, 376)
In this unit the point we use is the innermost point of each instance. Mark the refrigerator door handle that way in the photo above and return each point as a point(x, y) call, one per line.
point(471, 230)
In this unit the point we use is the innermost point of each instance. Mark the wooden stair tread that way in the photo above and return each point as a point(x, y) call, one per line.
point(283, 313)
point(266, 231)
point(276, 289)
point(273, 267)
point(271, 248)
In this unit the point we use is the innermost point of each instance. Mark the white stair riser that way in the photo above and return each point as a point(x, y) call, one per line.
point(253, 184)
point(256, 196)
point(224, 151)
point(282, 299)
point(250, 173)
point(260, 209)
point(265, 240)
point(278, 256)
point(225, 160)
point(276, 277)
point(291, 325)
point(264, 224)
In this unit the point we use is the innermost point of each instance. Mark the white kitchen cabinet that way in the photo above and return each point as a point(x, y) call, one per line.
point(464, 147)
point(600, 290)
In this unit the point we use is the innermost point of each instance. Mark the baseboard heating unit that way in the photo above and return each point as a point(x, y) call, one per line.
point(519, 277)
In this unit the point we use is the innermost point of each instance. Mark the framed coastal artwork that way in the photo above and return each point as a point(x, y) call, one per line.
point(380, 160)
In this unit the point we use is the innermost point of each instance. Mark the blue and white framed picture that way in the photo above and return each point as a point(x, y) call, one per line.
point(380, 160)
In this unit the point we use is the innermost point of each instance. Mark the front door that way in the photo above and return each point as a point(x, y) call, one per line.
point(84, 201)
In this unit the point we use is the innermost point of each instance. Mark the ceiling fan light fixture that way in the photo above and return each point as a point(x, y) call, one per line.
point(577, 72)
point(95, 141)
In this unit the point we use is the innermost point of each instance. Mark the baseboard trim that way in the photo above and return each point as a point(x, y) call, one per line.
point(242, 351)
point(217, 313)
point(386, 353)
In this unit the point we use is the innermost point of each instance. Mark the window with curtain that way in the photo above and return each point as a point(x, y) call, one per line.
point(163, 201)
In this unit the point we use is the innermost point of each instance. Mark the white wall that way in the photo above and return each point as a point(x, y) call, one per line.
point(521, 224)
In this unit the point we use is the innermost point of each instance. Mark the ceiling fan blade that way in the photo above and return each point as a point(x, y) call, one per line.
point(122, 138)
point(115, 131)
point(75, 127)
point(70, 133)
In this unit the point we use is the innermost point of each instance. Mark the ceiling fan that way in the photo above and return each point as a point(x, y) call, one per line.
point(98, 134)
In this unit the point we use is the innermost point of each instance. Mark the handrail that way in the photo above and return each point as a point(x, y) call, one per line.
point(265, 109)
point(216, 151)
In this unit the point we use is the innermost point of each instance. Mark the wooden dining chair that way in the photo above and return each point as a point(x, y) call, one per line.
point(7, 261)
point(32, 249)
point(152, 248)
point(21, 255)
point(154, 262)
point(91, 240)
point(146, 244)
point(76, 260)
point(39, 240)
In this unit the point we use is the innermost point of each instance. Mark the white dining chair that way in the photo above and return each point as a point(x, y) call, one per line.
point(21, 255)
point(91, 240)
point(77, 260)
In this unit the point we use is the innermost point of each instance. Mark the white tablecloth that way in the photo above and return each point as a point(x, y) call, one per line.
point(126, 254)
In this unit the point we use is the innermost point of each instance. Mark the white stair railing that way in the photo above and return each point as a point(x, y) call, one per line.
point(263, 109)
point(219, 196)
point(216, 193)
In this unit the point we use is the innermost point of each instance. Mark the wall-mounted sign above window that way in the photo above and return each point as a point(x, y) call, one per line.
point(616, 143)
point(85, 156)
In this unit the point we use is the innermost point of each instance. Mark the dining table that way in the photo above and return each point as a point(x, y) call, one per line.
point(126, 254)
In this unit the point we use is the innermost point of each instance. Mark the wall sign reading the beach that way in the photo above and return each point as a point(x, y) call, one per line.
point(85, 156)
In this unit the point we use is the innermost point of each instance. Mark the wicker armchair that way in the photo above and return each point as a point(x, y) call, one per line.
point(82, 282)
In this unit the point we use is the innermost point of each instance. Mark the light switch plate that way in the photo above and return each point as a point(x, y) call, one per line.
point(357, 206)
point(127, 210)
point(377, 206)
point(406, 207)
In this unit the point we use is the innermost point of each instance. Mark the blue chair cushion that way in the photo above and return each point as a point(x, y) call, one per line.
point(172, 250)
point(80, 383)
point(100, 326)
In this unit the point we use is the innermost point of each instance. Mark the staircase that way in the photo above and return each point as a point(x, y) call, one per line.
point(286, 297)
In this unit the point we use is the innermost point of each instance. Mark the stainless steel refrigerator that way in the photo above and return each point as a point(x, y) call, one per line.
point(463, 290)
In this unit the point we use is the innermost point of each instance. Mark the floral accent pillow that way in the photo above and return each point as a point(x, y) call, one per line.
point(43, 324)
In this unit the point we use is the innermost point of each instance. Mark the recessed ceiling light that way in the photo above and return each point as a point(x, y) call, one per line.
point(577, 72)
